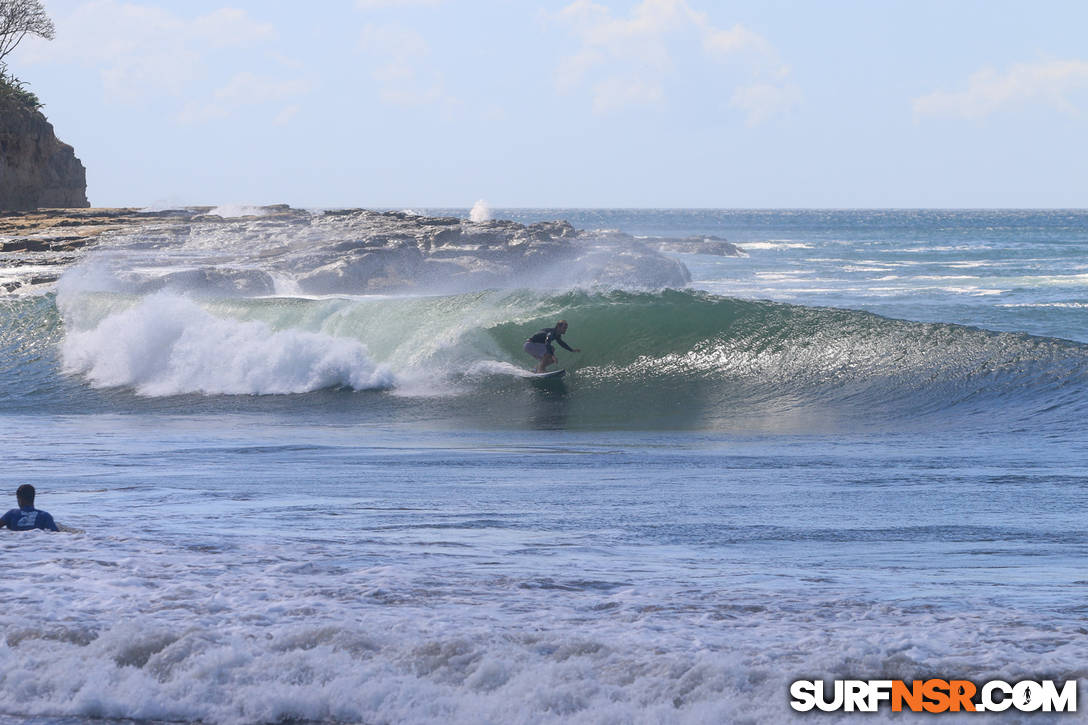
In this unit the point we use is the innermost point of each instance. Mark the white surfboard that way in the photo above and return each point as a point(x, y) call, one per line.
point(550, 374)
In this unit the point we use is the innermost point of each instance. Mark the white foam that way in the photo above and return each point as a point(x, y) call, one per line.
point(232, 211)
point(771, 245)
point(971, 264)
point(168, 345)
point(481, 212)
point(27, 270)
point(1056, 305)
point(946, 248)
point(787, 275)
point(485, 368)
point(259, 629)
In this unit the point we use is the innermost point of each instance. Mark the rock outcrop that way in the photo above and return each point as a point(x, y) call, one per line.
point(36, 169)
point(277, 249)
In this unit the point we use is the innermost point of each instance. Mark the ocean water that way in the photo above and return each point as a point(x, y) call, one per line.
point(856, 451)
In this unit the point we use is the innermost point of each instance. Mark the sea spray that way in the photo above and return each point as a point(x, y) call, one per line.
point(229, 211)
point(358, 252)
point(168, 345)
point(481, 212)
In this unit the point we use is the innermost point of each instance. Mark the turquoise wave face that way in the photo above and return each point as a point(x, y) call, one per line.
point(723, 362)
point(649, 360)
point(30, 329)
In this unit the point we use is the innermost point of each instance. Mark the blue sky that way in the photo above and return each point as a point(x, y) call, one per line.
point(571, 103)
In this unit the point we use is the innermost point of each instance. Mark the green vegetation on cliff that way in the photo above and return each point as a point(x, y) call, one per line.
point(14, 89)
point(19, 18)
point(37, 170)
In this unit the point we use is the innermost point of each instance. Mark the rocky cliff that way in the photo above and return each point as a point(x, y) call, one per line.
point(205, 250)
point(36, 169)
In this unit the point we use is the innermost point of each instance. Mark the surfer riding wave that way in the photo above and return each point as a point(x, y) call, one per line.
point(540, 346)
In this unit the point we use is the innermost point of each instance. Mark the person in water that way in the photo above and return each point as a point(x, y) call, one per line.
point(540, 345)
point(26, 517)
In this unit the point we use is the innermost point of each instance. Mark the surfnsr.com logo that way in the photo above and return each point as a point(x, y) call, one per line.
point(933, 695)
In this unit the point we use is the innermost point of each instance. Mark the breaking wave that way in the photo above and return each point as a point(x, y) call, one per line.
point(668, 358)
point(167, 345)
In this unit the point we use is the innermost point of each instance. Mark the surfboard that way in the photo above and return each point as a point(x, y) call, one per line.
point(550, 374)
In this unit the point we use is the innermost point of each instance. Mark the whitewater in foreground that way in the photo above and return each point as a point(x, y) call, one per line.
point(314, 483)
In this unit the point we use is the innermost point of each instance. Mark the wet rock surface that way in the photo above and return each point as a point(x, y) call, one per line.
point(281, 250)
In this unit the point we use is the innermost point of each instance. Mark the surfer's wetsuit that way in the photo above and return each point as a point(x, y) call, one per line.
point(26, 518)
point(546, 337)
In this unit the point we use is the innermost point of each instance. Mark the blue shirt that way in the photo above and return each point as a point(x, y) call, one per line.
point(25, 519)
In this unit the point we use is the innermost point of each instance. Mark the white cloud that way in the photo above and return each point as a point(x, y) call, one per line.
point(401, 69)
point(246, 88)
point(630, 60)
point(636, 43)
point(136, 48)
point(230, 27)
point(1042, 83)
point(284, 117)
point(243, 90)
point(739, 41)
point(143, 52)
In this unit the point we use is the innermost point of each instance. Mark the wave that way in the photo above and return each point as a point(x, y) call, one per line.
point(668, 358)
point(168, 345)
point(764, 362)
